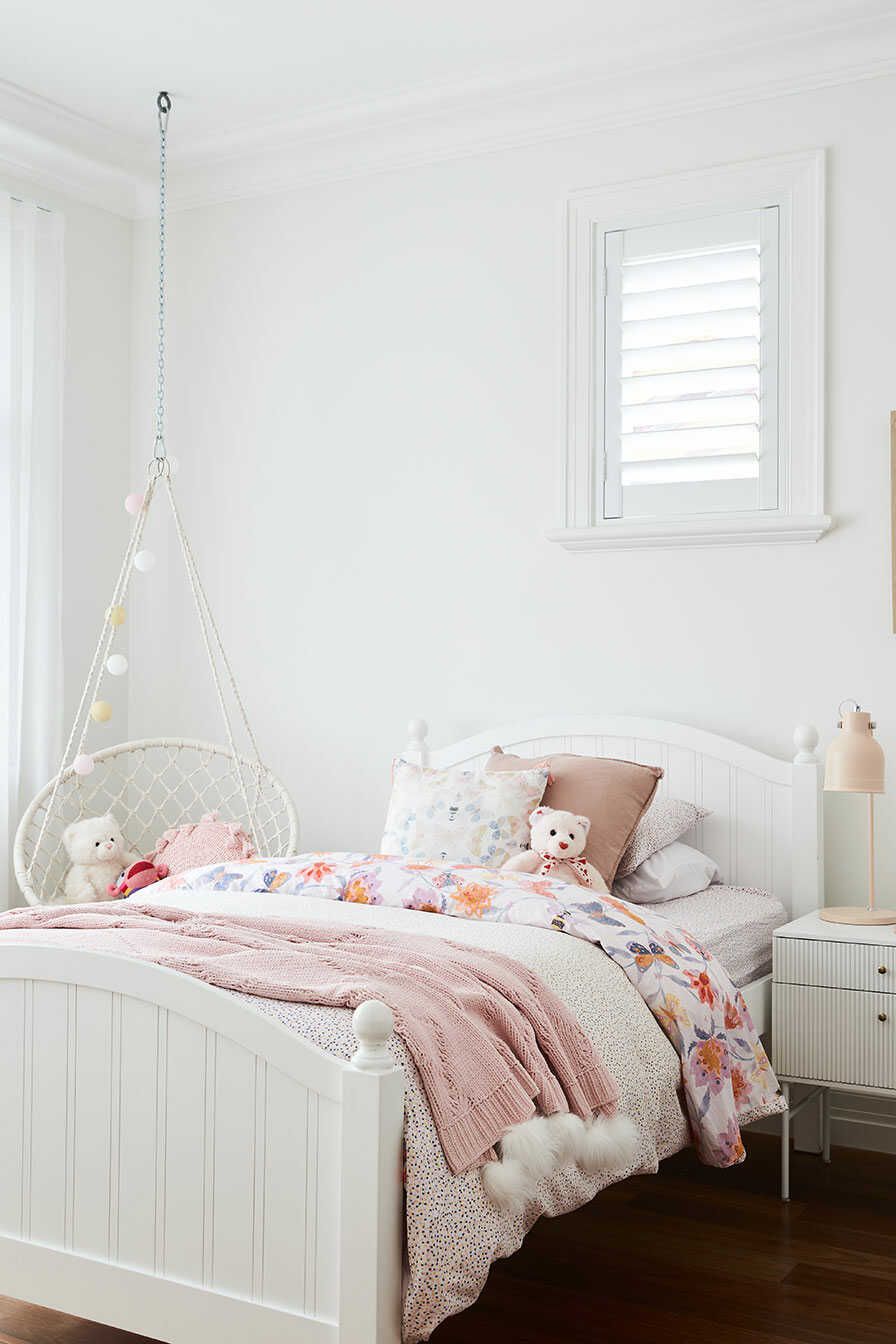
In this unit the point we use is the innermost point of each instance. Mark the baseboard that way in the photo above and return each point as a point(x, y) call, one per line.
point(857, 1121)
point(864, 1122)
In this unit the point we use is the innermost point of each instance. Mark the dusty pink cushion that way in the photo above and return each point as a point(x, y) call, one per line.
point(201, 842)
point(613, 794)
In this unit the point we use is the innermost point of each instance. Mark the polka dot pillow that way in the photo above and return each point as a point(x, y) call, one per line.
point(664, 822)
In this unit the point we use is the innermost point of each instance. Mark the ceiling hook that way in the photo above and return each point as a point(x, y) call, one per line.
point(163, 103)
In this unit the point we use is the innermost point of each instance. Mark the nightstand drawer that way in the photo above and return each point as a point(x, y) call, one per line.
point(811, 961)
point(835, 1035)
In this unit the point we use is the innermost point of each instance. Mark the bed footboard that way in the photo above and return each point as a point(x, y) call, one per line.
point(174, 1163)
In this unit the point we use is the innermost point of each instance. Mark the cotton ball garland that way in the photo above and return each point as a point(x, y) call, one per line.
point(116, 615)
point(117, 664)
point(83, 764)
point(133, 503)
point(101, 711)
point(144, 561)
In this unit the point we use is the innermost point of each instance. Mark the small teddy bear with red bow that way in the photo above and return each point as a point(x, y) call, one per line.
point(556, 846)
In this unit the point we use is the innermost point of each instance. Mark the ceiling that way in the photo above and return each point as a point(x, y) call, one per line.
point(230, 63)
point(247, 77)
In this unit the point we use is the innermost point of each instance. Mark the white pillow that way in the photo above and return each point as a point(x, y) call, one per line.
point(461, 816)
point(666, 820)
point(673, 871)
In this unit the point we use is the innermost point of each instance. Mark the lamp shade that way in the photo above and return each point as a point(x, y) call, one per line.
point(855, 761)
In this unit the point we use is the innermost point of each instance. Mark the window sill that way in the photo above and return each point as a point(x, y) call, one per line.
point(753, 530)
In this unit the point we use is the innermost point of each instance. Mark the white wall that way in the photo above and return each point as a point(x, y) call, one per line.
point(364, 398)
point(95, 444)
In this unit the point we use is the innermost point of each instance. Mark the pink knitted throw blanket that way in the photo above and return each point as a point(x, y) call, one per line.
point(490, 1040)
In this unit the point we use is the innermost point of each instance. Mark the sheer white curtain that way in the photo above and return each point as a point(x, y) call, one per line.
point(31, 381)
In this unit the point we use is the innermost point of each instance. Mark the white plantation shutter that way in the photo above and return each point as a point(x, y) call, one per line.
point(691, 362)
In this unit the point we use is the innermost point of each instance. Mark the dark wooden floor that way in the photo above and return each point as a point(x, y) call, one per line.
point(692, 1254)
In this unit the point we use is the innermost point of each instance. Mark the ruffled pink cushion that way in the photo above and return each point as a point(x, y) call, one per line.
point(201, 842)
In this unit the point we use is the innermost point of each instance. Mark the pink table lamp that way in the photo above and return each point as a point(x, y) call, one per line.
point(855, 764)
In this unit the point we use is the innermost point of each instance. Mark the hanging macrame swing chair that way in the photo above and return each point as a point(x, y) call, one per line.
point(160, 782)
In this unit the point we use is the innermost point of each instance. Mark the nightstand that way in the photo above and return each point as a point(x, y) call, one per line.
point(833, 1016)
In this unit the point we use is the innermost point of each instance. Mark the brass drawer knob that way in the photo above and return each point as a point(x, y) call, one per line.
point(881, 970)
point(881, 1017)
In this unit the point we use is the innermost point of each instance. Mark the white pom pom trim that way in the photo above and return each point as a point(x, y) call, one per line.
point(609, 1143)
point(507, 1184)
point(547, 1143)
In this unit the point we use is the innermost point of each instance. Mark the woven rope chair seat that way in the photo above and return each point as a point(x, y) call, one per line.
point(150, 786)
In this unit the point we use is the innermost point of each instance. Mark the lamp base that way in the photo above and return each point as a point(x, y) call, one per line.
point(857, 914)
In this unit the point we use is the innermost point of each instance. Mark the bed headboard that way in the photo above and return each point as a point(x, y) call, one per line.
point(765, 829)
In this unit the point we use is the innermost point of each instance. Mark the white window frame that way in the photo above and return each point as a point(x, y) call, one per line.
point(795, 183)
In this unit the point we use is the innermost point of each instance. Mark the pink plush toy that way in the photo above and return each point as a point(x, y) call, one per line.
point(557, 842)
point(140, 874)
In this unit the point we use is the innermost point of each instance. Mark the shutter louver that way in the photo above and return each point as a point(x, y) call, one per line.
point(685, 416)
point(685, 347)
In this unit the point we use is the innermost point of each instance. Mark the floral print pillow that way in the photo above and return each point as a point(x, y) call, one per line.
point(460, 816)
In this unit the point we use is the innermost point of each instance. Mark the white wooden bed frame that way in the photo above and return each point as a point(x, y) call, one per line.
point(765, 830)
point(177, 1164)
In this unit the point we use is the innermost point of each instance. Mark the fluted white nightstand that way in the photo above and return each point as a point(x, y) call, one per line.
point(833, 1016)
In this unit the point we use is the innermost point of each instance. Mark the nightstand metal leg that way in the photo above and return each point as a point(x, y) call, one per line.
point(785, 1145)
point(826, 1124)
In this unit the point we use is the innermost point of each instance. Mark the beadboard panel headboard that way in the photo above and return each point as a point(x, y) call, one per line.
point(765, 828)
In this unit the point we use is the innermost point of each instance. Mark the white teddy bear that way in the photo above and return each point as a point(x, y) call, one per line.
point(557, 842)
point(98, 853)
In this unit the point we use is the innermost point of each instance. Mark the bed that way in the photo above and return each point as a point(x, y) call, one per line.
point(182, 1165)
point(765, 831)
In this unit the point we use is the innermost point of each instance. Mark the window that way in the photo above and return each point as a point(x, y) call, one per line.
point(31, 386)
point(693, 354)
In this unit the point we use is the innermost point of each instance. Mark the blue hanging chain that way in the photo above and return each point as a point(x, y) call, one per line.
point(159, 465)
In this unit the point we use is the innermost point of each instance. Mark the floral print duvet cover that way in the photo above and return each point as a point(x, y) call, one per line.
point(726, 1076)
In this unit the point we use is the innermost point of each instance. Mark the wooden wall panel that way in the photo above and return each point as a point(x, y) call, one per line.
point(92, 1185)
point(15, 1032)
point(326, 1227)
point(185, 1168)
point(234, 1175)
point(46, 1112)
point(136, 1061)
point(285, 1219)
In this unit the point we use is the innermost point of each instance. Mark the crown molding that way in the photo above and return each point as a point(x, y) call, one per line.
point(40, 166)
point(59, 150)
point(415, 129)
point(51, 148)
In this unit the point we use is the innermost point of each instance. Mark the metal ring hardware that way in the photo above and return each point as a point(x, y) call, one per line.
point(157, 467)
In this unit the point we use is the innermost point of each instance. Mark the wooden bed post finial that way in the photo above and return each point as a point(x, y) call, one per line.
point(373, 1023)
point(416, 750)
point(805, 739)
